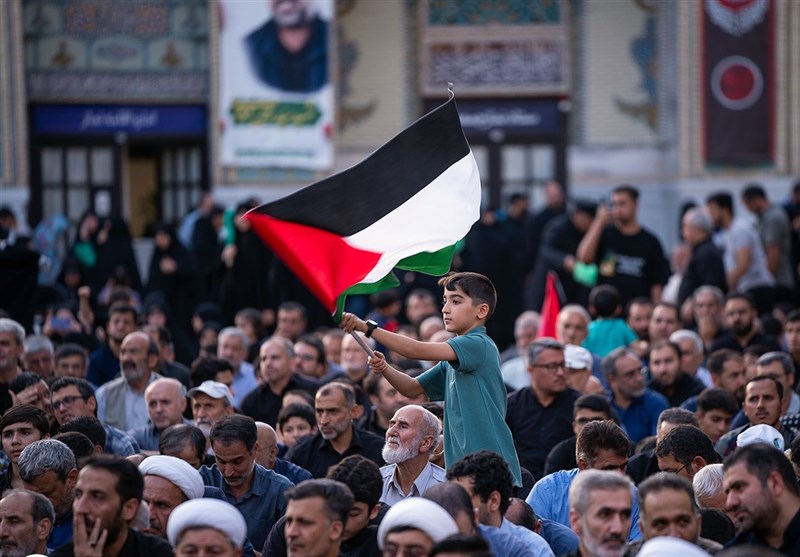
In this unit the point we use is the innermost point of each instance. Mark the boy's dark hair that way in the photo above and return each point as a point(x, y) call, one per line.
point(627, 189)
point(721, 199)
point(206, 368)
point(362, 476)
point(761, 460)
point(90, 426)
point(23, 381)
point(80, 445)
point(685, 442)
point(598, 436)
point(793, 316)
point(28, 414)
point(176, 437)
point(489, 472)
point(305, 395)
point(753, 191)
point(605, 300)
point(597, 403)
point(237, 427)
point(478, 287)
point(296, 410)
point(70, 349)
point(717, 399)
point(130, 483)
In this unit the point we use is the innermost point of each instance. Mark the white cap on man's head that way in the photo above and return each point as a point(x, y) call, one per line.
point(207, 513)
point(420, 514)
point(664, 546)
point(577, 357)
point(214, 389)
point(177, 471)
point(761, 433)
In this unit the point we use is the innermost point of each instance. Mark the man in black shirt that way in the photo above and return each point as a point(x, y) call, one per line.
point(763, 494)
point(739, 312)
point(667, 377)
point(705, 266)
point(628, 257)
point(540, 417)
point(12, 339)
point(337, 437)
point(276, 357)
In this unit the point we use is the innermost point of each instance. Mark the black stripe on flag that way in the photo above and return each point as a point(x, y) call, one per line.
point(349, 201)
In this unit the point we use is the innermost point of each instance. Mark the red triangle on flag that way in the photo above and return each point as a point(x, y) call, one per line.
point(550, 308)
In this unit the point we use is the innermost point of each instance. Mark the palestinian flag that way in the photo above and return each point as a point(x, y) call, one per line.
point(404, 206)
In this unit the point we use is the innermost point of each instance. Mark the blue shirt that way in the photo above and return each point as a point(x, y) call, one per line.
point(549, 498)
point(291, 471)
point(475, 400)
point(504, 544)
point(61, 534)
point(533, 540)
point(244, 381)
point(641, 418)
point(261, 506)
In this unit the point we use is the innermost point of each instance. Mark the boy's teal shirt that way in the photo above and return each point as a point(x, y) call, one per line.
point(474, 400)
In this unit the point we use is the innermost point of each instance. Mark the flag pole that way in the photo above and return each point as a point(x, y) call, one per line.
point(363, 344)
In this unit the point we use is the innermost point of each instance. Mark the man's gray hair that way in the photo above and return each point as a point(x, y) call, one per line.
point(699, 219)
point(234, 332)
point(37, 343)
point(777, 356)
point(589, 481)
point(526, 319)
point(609, 363)
point(538, 346)
point(576, 308)
point(48, 454)
point(718, 294)
point(180, 388)
point(285, 343)
point(430, 424)
point(10, 326)
point(686, 334)
point(707, 483)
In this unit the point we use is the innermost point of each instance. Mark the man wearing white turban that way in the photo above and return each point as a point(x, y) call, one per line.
point(414, 523)
point(168, 482)
point(208, 527)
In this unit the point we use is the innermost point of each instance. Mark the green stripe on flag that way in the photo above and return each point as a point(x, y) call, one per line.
point(435, 263)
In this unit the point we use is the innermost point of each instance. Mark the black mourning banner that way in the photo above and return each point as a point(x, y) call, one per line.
point(739, 81)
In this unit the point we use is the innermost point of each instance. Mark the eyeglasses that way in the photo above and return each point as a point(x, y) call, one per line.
point(678, 471)
point(66, 402)
point(552, 367)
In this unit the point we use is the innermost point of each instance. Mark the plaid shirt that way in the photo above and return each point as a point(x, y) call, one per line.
point(119, 443)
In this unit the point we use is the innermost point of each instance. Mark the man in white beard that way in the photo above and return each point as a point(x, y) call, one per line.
point(411, 437)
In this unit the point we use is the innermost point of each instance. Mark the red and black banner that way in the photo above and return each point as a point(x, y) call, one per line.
point(739, 88)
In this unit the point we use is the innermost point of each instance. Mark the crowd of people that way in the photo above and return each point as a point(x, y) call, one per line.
point(215, 409)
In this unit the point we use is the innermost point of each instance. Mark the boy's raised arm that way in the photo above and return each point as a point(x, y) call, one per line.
point(405, 346)
point(405, 384)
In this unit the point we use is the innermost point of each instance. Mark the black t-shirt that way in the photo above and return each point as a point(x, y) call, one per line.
point(537, 429)
point(631, 263)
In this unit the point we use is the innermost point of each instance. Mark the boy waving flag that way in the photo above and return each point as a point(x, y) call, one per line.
point(404, 206)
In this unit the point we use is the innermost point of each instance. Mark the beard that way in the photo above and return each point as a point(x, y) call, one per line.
point(611, 546)
point(401, 453)
point(742, 329)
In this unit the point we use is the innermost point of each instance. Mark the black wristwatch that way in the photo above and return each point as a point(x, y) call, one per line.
point(371, 326)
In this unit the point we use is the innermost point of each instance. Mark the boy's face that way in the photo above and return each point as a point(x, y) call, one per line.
point(459, 313)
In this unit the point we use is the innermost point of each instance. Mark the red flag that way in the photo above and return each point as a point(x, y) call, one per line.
point(550, 307)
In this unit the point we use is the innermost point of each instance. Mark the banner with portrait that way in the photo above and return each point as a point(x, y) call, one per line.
point(276, 95)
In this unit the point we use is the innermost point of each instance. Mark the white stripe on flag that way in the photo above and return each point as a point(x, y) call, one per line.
point(436, 217)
